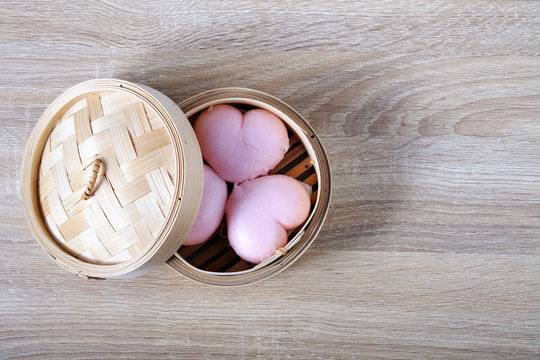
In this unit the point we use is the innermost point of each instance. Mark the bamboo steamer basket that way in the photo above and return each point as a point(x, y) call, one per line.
point(214, 262)
point(112, 180)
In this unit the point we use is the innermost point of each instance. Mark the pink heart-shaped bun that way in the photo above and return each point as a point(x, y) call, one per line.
point(259, 213)
point(212, 208)
point(241, 147)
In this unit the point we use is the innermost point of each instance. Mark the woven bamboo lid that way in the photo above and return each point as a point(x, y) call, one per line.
point(112, 179)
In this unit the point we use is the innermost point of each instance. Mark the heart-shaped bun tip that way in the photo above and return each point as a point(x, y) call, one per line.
point(212, 208)
point(259, 213)
point(240, 146)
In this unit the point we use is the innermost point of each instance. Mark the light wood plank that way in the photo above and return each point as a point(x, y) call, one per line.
point(429, 113)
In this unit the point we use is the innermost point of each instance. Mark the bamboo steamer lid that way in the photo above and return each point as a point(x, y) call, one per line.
point(111, 179)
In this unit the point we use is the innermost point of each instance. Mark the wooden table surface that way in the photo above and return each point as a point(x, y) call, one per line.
point(430, 113)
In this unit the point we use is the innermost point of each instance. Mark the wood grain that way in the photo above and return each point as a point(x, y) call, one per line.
point(429, 113)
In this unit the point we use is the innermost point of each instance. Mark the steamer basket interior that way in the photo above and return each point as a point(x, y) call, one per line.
point(216, 256)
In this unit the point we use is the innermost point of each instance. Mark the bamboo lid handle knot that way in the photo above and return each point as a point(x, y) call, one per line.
point(97, 170)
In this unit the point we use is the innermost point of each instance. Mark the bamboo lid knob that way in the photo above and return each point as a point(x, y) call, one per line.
point(96, 171)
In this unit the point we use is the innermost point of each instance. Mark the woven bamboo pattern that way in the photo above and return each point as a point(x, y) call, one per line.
point(133, 193)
